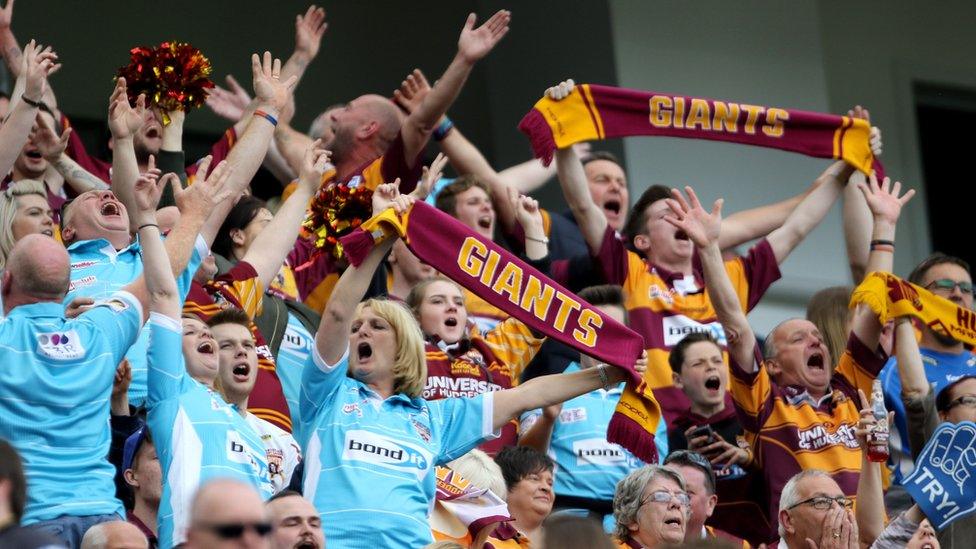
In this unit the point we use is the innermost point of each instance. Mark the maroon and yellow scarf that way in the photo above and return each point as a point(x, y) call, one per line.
point(593, 112)
point(499, 277)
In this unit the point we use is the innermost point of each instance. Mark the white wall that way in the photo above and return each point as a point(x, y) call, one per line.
point(824, 55)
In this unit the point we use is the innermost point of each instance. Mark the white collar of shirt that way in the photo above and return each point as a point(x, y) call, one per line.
point(686, 285)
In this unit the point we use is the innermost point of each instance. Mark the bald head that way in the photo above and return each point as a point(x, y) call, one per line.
point(222, 504)
point(389, 117)
point(38, 269)
point(114, 535)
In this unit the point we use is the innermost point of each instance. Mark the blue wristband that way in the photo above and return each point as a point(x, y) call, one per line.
point(441, 132)
point(262, 114)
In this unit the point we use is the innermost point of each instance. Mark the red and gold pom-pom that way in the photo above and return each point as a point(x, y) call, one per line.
point(173, 76)
point(337, 209)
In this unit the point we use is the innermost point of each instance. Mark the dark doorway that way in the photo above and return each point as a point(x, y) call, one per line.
point(946, 116)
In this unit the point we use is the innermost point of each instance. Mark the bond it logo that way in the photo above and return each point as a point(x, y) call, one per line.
point(387, 453)
point(678, 326)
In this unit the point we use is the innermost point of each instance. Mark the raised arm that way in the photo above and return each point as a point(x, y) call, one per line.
point(473, 44)
point(271, 94)
point(16, 128)
point(52, 149)
point(911, 370)
point(811, 210)
point(703, 228)
point(885, 202)
point(163, 295)
point(530, 218)
point(309, 29)
point(14, 57)
point(590, 217)
point(543, 391)
point(333, 334)
point(269, 249)
point(856, 214)
point(870, 510)
point(124, 121)
point(741, 227)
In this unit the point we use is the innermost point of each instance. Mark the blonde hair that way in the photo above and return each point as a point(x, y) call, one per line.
point(410, 364)
point(828, 311)
point(480, 470)
point(8, 209)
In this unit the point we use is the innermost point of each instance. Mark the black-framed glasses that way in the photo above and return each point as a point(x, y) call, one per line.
point(234, 530)
point(968, 401)
point(947, 284)
point(823, 502)
point(663, 496)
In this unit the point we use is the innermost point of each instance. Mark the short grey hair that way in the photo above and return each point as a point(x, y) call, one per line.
point(627, 497)
point(788, 497)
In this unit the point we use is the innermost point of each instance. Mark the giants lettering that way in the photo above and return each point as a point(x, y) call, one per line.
point(715, 116)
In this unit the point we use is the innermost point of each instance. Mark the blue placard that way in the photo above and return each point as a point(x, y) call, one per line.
point(943, 483)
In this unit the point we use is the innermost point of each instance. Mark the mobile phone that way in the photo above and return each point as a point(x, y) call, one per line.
point(702, 431)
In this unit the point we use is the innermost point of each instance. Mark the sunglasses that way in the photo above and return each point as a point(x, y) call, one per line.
point(236, 530)
point(947, 284)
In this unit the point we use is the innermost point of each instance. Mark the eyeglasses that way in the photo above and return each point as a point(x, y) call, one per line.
point(663, 496)
point(236, 530)
point(967, 401)
point(947, 284)
point(823, 502)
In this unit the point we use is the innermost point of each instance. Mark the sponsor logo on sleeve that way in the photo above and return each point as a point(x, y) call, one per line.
point(572, 415)
point(597, 451)
point(82, 264)
point(82, 282)
point(678, 326)
point(385, 452)
point(60, 345)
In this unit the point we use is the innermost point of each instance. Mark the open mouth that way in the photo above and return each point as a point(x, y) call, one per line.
point(928, 546)
point(713, 383)
point(307, 544)
point(673, 521)
point(365, 350)
point(816, 361)
point(612, 206)
point(451, 322)
point(484, 222)
point(241, 371)
point(48, 232)
point(206, 348)
point(681, 235)
point(153, 132)
point(110, 209)
point(33, 155)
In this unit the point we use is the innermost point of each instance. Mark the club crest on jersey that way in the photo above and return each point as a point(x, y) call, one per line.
point(60, 345)
point(664, 294)
point(385, 452)
point(421, 429)
point(572, 415)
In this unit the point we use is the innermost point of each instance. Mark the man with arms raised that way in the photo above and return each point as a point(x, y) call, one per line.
point(796, 413)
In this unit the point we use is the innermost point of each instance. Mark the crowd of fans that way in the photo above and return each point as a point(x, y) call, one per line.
point(183, 367)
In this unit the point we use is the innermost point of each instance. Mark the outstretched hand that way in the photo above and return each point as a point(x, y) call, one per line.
point(230, 102)
point(149, 188)
point(702, 227)
point(430, 177)
point(526, 210)
point(412, 92)
point(47, 142)
point(309, 29)
point(268, 87)
point(475, 43)
point(883, 199)
point(124, 120)
point(205, 193)
point(38, 63)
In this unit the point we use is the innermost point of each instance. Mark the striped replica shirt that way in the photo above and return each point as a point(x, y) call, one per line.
point(198, 436)
point(240, 288)
point(664, 307)
point(480, 364)
point(369, 462)
point(790, 432)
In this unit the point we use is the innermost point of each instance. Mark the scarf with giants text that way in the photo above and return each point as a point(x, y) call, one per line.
point(505, 281)
point(891, 297)
point(594, 112)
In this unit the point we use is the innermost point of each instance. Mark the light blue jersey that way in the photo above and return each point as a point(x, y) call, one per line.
point(941, 369)
point(369, 463)
point(198, 436)
point(98, 270)
point(55, 387)
point(587, 466)
point(293, 353)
